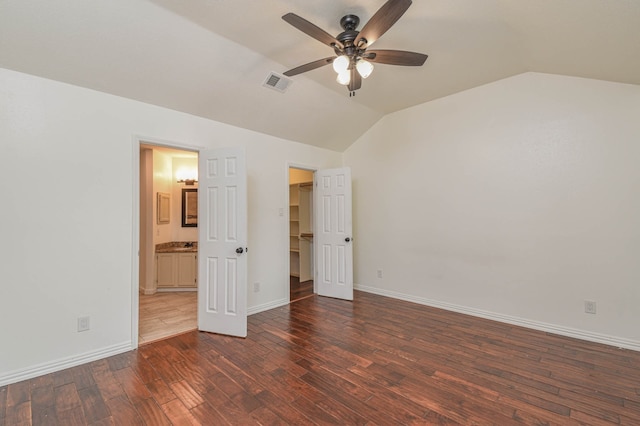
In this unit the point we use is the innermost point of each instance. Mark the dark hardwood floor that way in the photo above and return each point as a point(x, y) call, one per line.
point(325, 361)
point(299, 290)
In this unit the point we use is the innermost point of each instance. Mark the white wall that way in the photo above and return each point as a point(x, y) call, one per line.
point(66, 178)
point(517, 201)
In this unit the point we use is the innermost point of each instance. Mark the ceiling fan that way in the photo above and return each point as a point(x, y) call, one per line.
point(353, 60)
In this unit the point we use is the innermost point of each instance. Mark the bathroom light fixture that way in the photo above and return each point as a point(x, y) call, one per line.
point(188, 177)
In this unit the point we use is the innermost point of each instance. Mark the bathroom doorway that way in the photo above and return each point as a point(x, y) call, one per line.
point(168, 243)
point(301, 265)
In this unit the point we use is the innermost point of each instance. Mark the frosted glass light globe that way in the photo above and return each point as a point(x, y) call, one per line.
point(364, 68)
point(344, 77)
point(340, 64)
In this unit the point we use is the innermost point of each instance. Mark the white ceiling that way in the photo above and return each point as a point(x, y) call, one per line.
point(210, 57)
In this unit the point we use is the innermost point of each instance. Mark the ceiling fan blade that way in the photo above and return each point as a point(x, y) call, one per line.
point(312, 30)
point(356, 81)
point(396, 57)
point(383, 19)
point(310, 66)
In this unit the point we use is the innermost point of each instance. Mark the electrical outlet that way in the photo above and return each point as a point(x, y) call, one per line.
point(589, 307)
point(83, 324)
point(256, 287)
point(379, 273)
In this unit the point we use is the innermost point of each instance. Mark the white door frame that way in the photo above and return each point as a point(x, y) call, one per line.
point(138, 140)
point(287, 256)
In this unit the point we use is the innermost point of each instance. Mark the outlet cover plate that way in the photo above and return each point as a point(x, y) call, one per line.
point(83, 324)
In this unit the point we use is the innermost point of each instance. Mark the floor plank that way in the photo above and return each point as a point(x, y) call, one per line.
point(299, 290)
point(327, 361)
point(166, 314)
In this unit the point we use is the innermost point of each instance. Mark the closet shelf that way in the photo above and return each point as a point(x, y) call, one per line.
point(300, 230)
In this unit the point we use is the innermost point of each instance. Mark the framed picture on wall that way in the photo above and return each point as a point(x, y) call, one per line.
point(189, 207)
point(164, 207)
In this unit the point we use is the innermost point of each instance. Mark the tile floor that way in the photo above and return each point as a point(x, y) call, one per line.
point(167, 314)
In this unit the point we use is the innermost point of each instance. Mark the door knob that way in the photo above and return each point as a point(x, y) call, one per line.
point(346, 240)
point(239, 250)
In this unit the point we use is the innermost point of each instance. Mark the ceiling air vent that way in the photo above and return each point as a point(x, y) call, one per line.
point(277, 82)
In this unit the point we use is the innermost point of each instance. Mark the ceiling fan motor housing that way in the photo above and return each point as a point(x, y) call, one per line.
point(349, 23)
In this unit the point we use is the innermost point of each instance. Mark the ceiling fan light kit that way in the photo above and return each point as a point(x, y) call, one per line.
point(342, 65)
point(353, 62)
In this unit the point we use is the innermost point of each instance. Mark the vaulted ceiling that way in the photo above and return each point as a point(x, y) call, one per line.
point(210, 57)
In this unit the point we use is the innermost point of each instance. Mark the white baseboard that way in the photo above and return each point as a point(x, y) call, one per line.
point(75, 360)
point(267, 306)
point(61, 364)
point(618, 342)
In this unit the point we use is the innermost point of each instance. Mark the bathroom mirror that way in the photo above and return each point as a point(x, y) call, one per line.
point(189, 207)
point(164, 207)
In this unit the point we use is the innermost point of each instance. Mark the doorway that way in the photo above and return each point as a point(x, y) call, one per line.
point(301, 265)
point(168, 245)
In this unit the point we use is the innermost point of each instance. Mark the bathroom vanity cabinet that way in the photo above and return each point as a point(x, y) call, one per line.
point(176, 270)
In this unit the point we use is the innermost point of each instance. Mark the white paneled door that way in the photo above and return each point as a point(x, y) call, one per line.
point(334, 254)
point(222, 242)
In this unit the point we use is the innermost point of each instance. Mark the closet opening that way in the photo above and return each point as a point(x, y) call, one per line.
point(301, 270)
